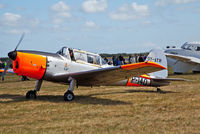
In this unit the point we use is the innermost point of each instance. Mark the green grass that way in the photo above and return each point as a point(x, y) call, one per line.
point(101, 109)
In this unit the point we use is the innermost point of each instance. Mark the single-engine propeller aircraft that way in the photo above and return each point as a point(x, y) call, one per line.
point(74, 67)
point(184, 59)
point(156, 79)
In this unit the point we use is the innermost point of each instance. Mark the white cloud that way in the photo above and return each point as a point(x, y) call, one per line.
point(140, 9)
point(90, 24)
point(17, 31)
point(15, 23)
point(129, 12)
point(93, 6)
point(58, 21)
point(16, 20)
point(34, 22)
point(2, 6)
point(166, 2)
point(160, 2)
point(61, 11)
point(10, 19)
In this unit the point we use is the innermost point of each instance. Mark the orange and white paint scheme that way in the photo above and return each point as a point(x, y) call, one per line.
point(79, 68)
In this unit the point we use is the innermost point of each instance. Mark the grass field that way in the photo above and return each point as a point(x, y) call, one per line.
point(101, 110)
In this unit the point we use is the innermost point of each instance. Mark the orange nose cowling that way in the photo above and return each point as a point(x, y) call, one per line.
point(30, 65)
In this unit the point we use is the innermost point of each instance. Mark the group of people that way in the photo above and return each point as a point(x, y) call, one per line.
point(137, 58)
point(120, 60)
point(2, 64)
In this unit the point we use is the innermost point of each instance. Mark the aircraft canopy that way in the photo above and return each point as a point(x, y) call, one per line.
point(81, 56)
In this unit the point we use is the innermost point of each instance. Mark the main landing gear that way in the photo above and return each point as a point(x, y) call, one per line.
point(159, 90)
point(69, 95)
point(32, 94)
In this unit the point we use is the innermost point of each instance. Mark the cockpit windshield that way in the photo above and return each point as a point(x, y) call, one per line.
point(187, 47)
point(191, 46)
point(64, 52)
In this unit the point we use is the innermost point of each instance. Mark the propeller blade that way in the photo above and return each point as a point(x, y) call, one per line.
point(19, 41)
point(6, 68)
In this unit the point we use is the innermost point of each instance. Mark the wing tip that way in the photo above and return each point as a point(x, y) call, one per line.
point(142, 64)
point(156, 64)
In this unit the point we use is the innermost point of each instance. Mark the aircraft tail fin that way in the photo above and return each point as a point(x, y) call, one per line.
point(157, 55)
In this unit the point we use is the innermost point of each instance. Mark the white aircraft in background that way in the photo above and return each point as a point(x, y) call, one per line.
point(184, 59)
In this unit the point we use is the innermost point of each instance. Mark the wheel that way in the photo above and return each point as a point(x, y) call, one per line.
point(159, 90)
point(31, 94)
point(69, 96)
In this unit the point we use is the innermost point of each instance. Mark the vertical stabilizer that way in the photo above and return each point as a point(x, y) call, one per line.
point(158, 56)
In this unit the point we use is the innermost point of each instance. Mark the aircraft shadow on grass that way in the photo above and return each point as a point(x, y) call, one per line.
point(134, 91)
point(83, 99)
point(8, 98)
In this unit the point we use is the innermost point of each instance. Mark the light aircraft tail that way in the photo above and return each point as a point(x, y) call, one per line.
point(158, 56)
point(155, 79)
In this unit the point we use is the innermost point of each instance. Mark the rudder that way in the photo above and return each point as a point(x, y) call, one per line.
point(158, 56)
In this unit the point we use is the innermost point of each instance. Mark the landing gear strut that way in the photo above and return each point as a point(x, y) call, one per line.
point(69, 95)
point(32, 94)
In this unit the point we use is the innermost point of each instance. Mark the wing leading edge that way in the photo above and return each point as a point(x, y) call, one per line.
point(187, 59)
point(106, 76)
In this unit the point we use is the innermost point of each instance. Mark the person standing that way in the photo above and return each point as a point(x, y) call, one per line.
point(117, 62)
point(114, 61)
point(121, 59)
point(141, 58)
point(130, 59)
point(106, 59)
point(136, 58)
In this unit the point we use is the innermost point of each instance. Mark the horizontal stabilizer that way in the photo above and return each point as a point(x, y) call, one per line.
point(168, 79)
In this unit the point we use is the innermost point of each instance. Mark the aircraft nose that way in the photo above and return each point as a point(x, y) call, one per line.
point(12, 55)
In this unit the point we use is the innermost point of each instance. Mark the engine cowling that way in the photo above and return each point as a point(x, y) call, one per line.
point(30, 65)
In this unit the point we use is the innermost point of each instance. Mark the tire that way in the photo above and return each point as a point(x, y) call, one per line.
point(31, 95)
point(159, 90)
point(69, 96)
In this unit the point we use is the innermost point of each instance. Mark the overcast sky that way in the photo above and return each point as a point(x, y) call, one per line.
point(100, 26)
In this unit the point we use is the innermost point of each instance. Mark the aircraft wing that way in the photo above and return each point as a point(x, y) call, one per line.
point(106, 76)
point(187, 59)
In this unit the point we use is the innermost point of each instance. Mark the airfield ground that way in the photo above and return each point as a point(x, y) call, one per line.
point(103, 110)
